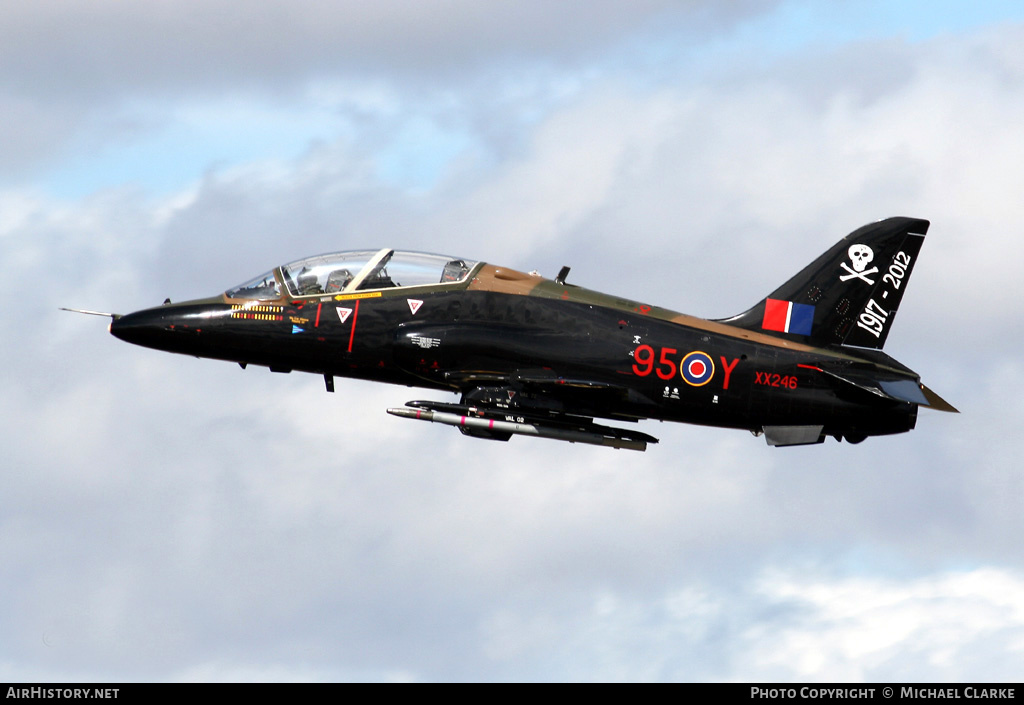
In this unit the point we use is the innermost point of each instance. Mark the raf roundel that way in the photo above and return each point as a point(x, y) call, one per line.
point(697, 369)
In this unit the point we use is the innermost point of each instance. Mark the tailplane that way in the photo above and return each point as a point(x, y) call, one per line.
point(850, 294)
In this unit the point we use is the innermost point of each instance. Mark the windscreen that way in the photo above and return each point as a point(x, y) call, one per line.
point(264, 286)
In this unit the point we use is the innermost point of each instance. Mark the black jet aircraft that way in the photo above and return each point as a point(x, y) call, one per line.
point(542, 357)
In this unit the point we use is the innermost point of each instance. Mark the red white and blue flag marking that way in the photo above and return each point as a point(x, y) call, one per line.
point(788, 317)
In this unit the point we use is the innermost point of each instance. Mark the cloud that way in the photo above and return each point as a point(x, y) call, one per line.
point(868, 630)
point(94, 48)
point(781, 627)
point(103, 86)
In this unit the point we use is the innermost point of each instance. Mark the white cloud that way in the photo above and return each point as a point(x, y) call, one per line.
point(103, 44)
point(860, 629)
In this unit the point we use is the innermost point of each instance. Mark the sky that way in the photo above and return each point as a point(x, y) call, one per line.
point(164, 518)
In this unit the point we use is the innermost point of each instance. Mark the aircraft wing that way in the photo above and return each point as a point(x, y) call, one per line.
point(500, 400)
point(540, 378)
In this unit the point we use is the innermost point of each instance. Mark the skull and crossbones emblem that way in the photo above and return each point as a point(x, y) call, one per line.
point(860, 258)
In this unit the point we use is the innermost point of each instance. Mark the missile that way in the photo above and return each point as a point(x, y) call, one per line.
point(523, 429)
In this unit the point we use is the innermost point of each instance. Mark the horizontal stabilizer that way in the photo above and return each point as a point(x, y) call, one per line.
point(936, 402)
point(881, 385)
point(887, 385)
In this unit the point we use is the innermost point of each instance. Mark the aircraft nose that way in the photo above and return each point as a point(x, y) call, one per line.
point(146, 327)
point(182, 327)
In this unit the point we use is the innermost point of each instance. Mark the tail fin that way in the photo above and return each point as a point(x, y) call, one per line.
point(850, 294)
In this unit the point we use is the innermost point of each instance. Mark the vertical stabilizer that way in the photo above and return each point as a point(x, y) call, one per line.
point(850, 294)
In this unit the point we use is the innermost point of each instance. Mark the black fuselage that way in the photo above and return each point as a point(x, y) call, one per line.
point(629, 365)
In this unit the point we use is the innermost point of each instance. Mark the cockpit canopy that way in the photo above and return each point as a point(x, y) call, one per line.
point(357, 270)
